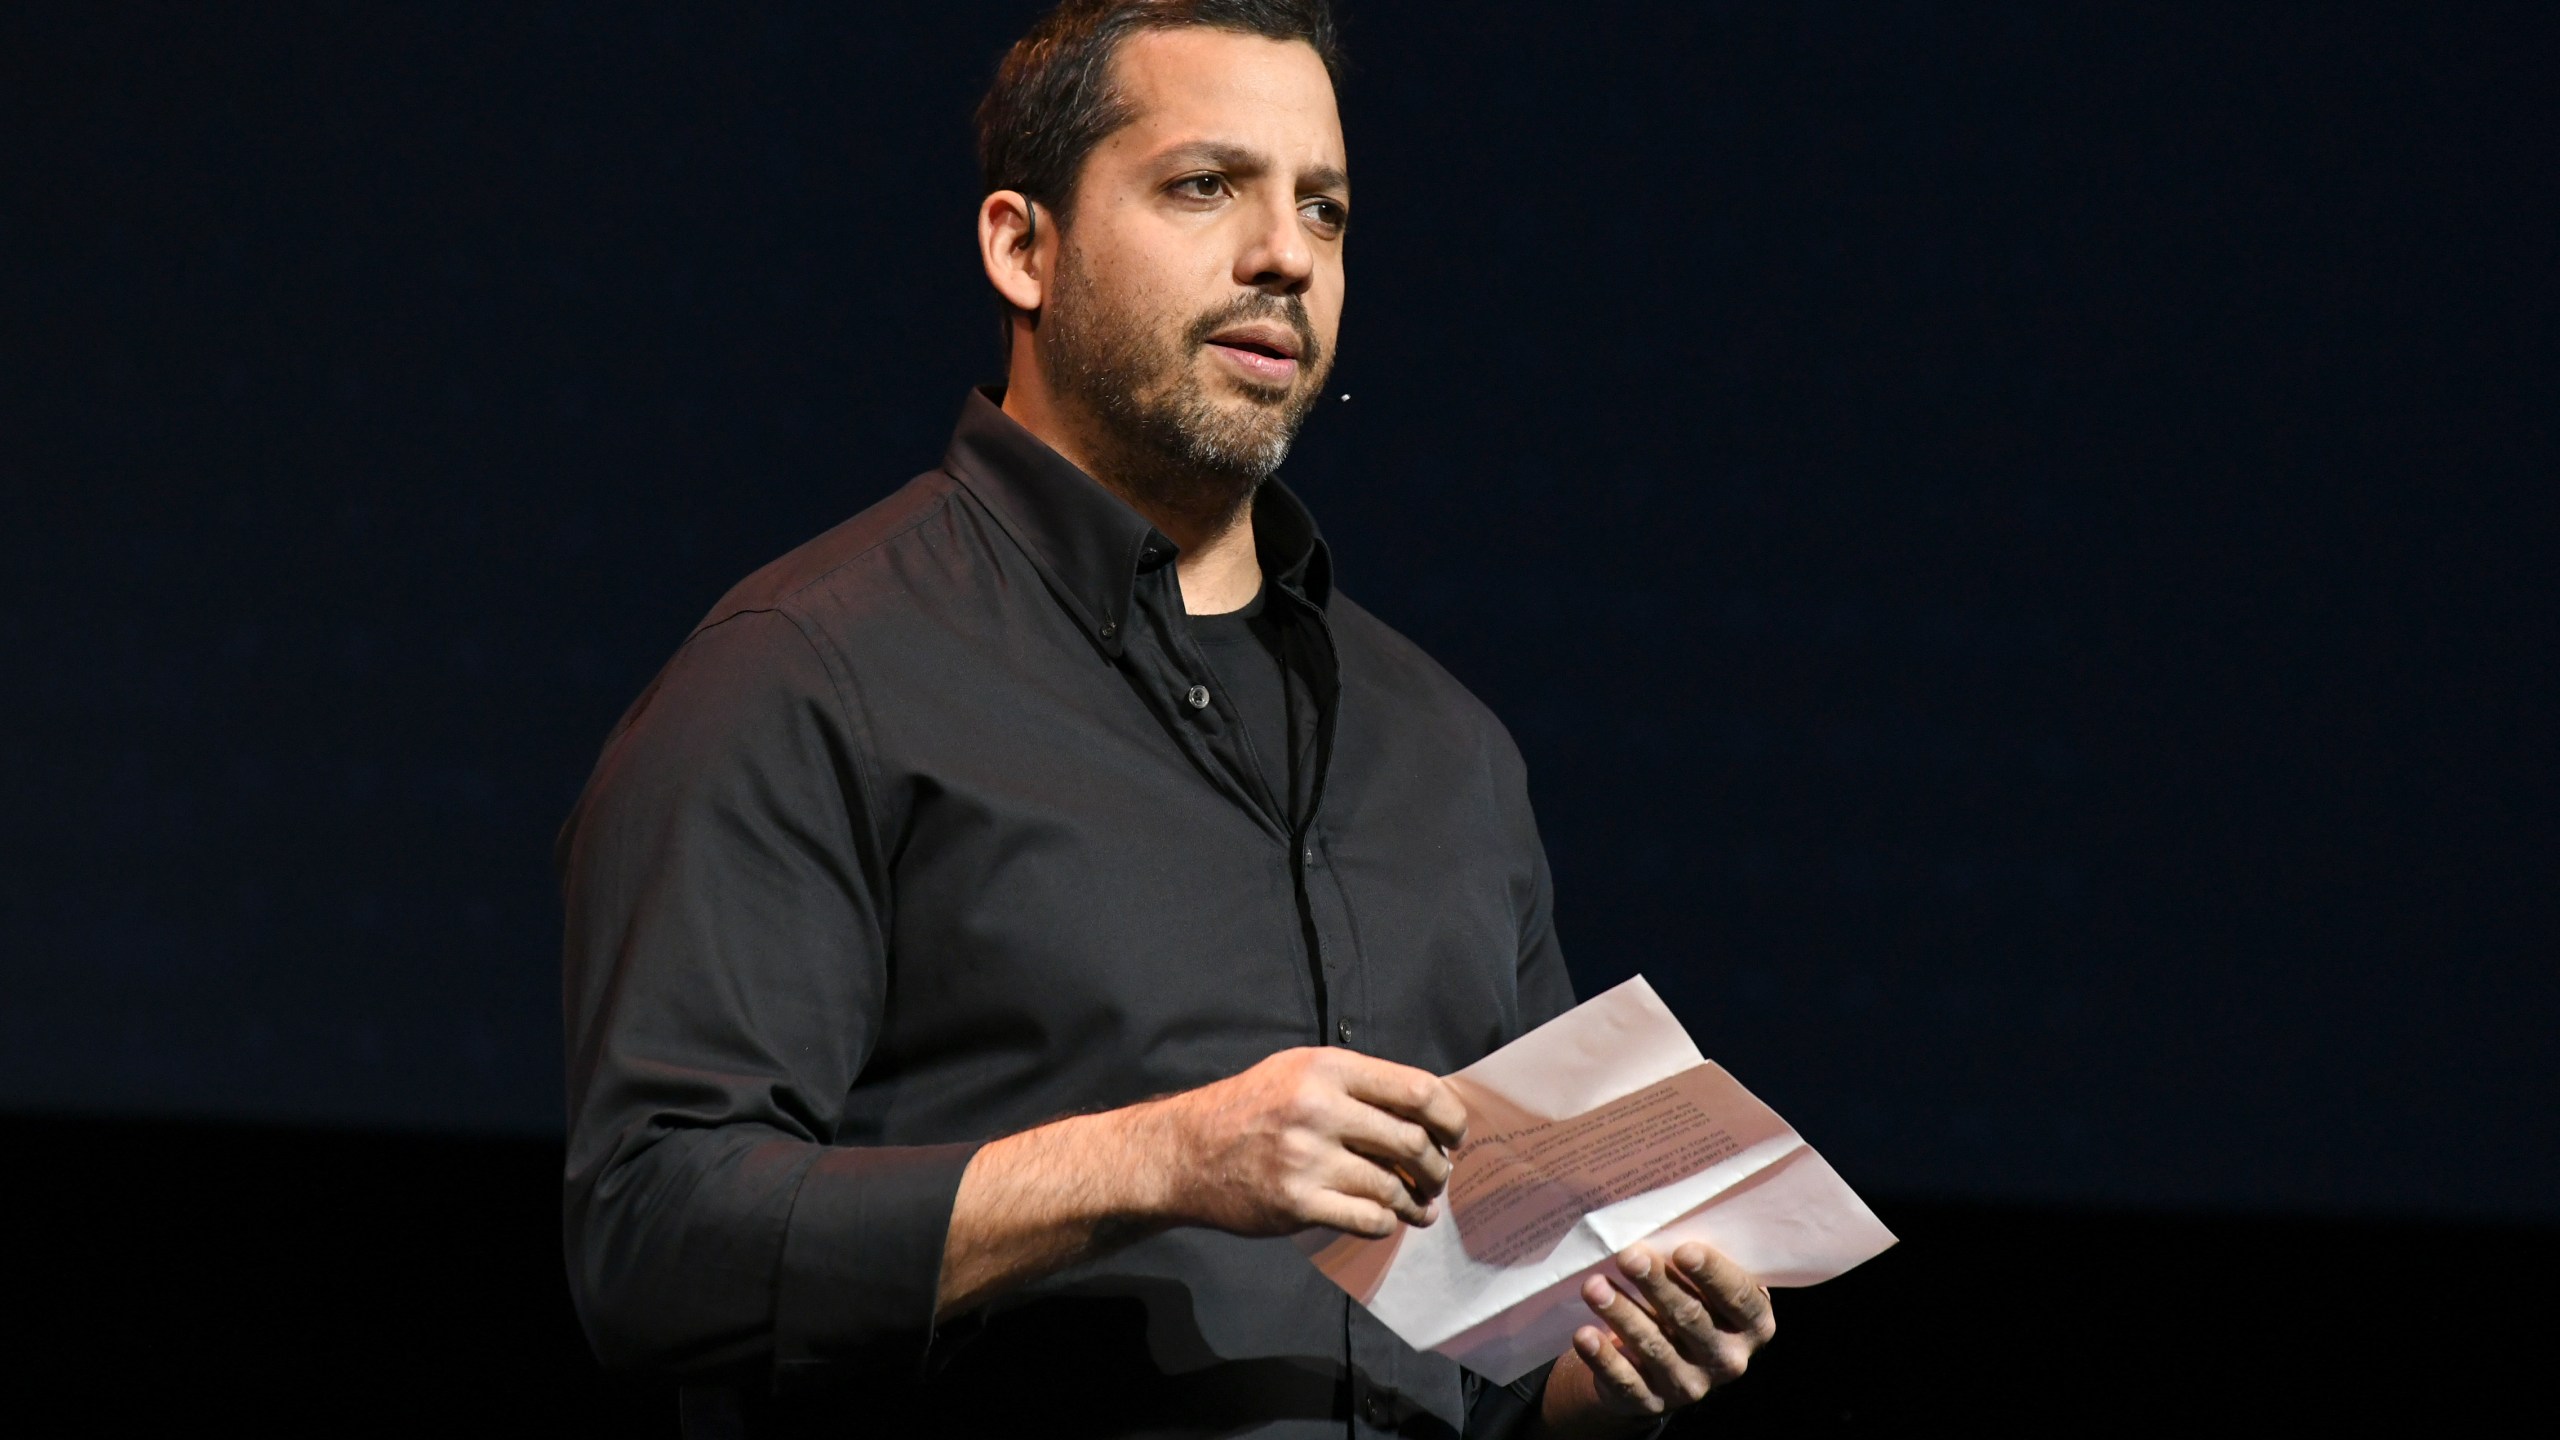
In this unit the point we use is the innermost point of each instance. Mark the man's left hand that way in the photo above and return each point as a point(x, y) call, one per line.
point(1692, 1325)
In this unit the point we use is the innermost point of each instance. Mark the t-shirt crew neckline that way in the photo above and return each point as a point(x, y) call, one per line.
point(1230, 627)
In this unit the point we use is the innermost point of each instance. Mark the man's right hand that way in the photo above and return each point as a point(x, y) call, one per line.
point(1313, 1136)
point(1308, 1137)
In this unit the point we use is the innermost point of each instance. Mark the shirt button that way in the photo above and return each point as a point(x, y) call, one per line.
point(1342, 1031)
point(1109, 629)
point(1308, 855)
point(1376, 1407)
point(1198, 696)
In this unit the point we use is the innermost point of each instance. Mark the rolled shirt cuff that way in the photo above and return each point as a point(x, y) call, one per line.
point(862, 1256)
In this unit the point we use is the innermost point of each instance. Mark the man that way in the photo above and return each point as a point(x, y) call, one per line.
point(1013, 915)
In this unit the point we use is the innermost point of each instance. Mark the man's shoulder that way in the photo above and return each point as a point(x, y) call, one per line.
point(1376, 654)
point(848, 562)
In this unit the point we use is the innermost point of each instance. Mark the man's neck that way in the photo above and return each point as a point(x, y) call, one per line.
point(1221, 573)
point(1218, 565)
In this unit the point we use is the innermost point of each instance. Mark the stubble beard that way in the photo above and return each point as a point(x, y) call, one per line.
point(1169, 443)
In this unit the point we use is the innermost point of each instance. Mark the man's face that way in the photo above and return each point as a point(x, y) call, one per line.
point(1199, 285)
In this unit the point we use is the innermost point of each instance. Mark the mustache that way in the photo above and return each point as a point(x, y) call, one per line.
point(1287, 309)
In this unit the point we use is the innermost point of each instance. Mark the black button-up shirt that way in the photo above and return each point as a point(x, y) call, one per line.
point(922, 838)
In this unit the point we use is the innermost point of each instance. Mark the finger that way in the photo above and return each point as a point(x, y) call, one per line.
point(1740, 1302)
point(1349, 1214)
point(1666, 1371)
point(1416, 1178)
point(1684, 1318)
point(1613, 1375)
point(1417, 1095)
point(1365, 1179)
point(1397, 1143)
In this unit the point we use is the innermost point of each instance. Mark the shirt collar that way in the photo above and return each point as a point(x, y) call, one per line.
point(1087, 542)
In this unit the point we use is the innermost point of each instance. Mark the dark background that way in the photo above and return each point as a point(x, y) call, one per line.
point(2015, 540)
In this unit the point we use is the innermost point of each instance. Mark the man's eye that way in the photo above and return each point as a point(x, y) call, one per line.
point(1200, 187)
point(1324, 214)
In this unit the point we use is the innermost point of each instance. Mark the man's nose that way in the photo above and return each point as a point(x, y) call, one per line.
point(1276, 257)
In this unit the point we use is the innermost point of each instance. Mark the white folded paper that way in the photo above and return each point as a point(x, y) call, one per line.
point(1599, 1129)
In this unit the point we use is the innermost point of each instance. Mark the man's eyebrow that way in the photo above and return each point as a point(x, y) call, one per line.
point(1239, 161)
point(1217, 155)
point(1325, 177)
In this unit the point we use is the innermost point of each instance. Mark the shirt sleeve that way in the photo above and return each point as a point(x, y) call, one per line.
point(725, 973)
point(1545, 987)
point(1511, 1412)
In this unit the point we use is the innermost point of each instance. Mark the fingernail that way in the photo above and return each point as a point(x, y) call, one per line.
point(1597, 1293)
point(1636, 1263)
point(1588, 1342)
point(1692, 1258)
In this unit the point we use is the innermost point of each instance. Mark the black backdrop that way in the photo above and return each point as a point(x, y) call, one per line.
point(2015, 539)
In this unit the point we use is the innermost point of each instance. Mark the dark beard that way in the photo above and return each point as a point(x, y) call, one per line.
point(1172, 447)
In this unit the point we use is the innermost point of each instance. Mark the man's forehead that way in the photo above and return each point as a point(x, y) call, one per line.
point(1196, 89)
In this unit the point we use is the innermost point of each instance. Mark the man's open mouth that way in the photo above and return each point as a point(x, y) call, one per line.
point(1263, 353)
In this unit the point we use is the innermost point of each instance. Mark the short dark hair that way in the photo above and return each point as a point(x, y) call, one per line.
point(1053, 99)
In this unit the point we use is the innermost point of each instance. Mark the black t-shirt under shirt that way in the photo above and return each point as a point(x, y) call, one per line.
point(1246, 654)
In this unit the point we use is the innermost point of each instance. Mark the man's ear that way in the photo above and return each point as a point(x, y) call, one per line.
point(1016, 247)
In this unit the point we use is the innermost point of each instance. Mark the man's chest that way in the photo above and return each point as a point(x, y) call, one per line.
point(1085, 903)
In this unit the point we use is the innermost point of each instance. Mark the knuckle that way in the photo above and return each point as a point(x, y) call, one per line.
point(1307, 1097)
point(1691, 1386)
point(1730, 1361)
